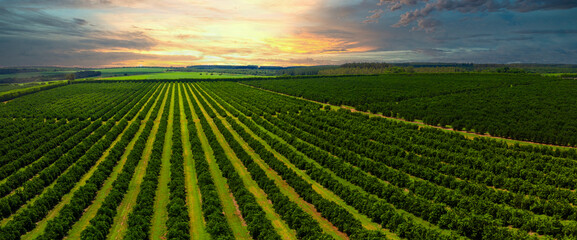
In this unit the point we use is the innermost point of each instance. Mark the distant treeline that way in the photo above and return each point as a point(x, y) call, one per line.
point(85, 74)
point(257, 70)
point(384, 68)
point(43, 75)
point(17, 70)
point(370, 68)
point(366, 68)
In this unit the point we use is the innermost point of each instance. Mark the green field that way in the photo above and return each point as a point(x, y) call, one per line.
point(181, 75)
point(115, 72)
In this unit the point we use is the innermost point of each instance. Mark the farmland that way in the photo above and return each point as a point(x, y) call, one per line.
point(519, 106)
point(180, 75)
point(226, 160)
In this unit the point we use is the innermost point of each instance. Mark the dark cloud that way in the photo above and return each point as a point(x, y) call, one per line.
point(34, 37)
point(57, 3)
point(33, 21)
point(468, 6)
point(559, 31)
point(29, 23)
point(80, 21)
point(66, 52)
point(375, 17)
point(428, 24)
point(433, 52)
point(398, 4)
point(534, 5)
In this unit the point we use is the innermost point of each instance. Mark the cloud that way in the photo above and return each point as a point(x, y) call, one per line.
point(34, 37)
point(80, 21)
point(422, 15)
point(398, 4)
point(548, 31)
point(57, 3)
point(534, 5)
point(33, 21)
point(428, 24)
point(375, 17)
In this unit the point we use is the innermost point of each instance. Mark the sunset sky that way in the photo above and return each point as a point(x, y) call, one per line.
point(115, 33)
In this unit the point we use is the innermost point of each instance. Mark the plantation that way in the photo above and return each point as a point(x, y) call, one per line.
point(223, 160)
point(518, 106)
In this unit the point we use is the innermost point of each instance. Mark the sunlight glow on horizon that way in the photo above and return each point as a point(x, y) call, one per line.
point(236, 32)
point(112, 33)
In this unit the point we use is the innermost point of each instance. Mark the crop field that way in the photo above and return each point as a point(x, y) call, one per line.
point(9, 87)
point(181, 75)
point(223, 160)
point(526, 107)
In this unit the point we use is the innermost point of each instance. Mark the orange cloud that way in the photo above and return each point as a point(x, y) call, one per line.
point(308, 43)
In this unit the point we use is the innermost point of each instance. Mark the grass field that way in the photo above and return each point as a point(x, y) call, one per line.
point(114, 72)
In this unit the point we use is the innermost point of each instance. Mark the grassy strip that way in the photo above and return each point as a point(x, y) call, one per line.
point(109, 187)
point(119, 226)
point(158, 228)
point(197, 222)
point(140, 219)
point(258, 211)
point(213, 186)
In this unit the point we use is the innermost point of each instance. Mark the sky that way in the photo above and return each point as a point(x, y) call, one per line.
point(117, 33)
